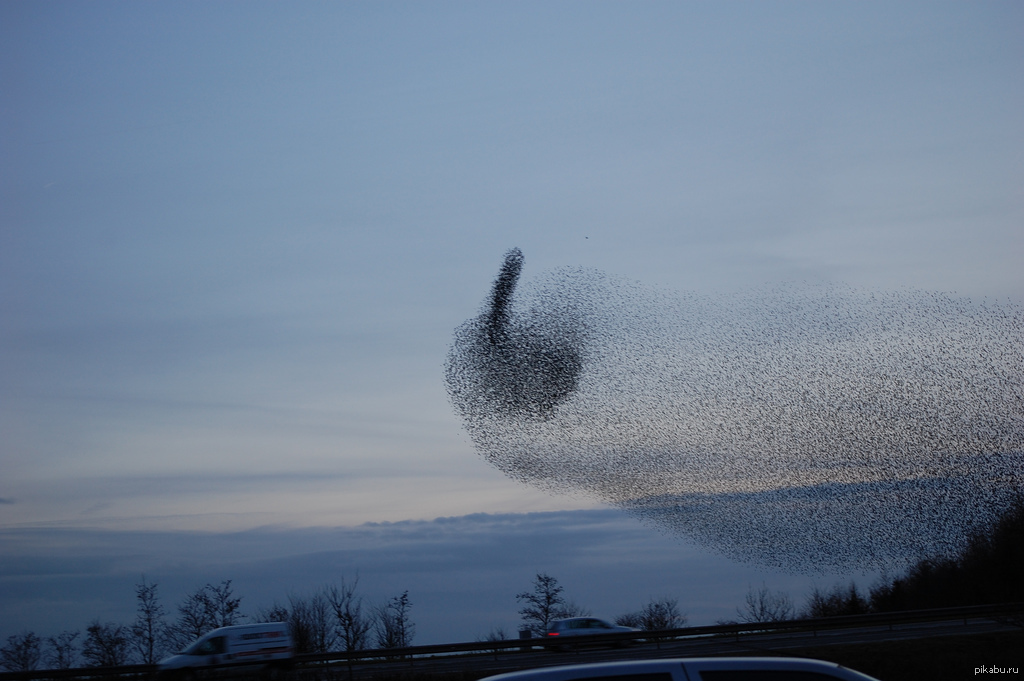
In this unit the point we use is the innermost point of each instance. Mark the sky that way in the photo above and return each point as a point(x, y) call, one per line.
point(235, 240)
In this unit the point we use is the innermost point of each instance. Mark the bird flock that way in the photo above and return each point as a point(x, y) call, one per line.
point(804, 427)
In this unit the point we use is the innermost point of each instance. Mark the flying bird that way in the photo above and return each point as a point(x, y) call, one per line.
point(522, 363)
point(797, 426)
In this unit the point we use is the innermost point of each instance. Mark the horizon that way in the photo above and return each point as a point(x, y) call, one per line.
point(237, 243)
point(462, 573)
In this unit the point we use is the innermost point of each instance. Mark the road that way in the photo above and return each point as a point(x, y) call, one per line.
point(462, 662)
point(475, 666)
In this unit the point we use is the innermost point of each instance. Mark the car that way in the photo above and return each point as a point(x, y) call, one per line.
point(693, 669)
point(582, 626)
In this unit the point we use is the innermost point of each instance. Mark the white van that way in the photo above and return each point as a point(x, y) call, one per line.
point(265, 644)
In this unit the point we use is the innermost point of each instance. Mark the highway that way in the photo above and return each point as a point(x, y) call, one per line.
point(469, 661)
point(769, 643)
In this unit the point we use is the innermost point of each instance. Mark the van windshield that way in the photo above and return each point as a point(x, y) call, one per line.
point(209, 646)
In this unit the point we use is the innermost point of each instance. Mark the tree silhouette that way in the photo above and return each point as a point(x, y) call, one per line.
point(203, 610)
point(393, 627)
point(659, 613)
point(106, 645)
point(312, 623)
point(545, 604)
point(840, 601)
point(222, 605)
point(63, 653)
point(353, 625)
point(21, 654)
point(762, 605)
point(149, 630)
point(988, 570)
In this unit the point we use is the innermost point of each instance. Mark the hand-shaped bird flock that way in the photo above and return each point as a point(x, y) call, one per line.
point(803, 427)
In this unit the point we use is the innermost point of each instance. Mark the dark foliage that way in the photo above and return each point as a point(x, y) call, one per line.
point(839, 601)
point(989, 570)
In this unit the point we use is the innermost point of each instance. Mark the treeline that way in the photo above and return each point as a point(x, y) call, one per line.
point(333, 617)
point(990, 569)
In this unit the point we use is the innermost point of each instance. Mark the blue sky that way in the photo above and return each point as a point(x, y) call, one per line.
point(235, 238)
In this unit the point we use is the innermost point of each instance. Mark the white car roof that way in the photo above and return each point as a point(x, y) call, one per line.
point(681, 669)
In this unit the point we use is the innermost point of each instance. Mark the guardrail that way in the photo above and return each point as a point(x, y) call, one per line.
point(890, 619)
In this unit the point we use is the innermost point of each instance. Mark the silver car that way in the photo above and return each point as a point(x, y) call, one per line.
point(582, 626)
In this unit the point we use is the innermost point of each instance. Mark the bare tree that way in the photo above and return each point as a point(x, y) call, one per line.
point(764, 606)
point(194, 619)
point(545, 604)
point(312, 623)
point(21, 654)
point(106, 645)
point(572, 609)
point(353, 626)
point(659, 613)
point(275, 613)
point(496, 634)
point(629, 619)
point(662, 613)
point(299, 625)
point(223, 606)
point(839, 601)
point(63, 652)
point(149, 630)
point(203, 610)
point(393, 627)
